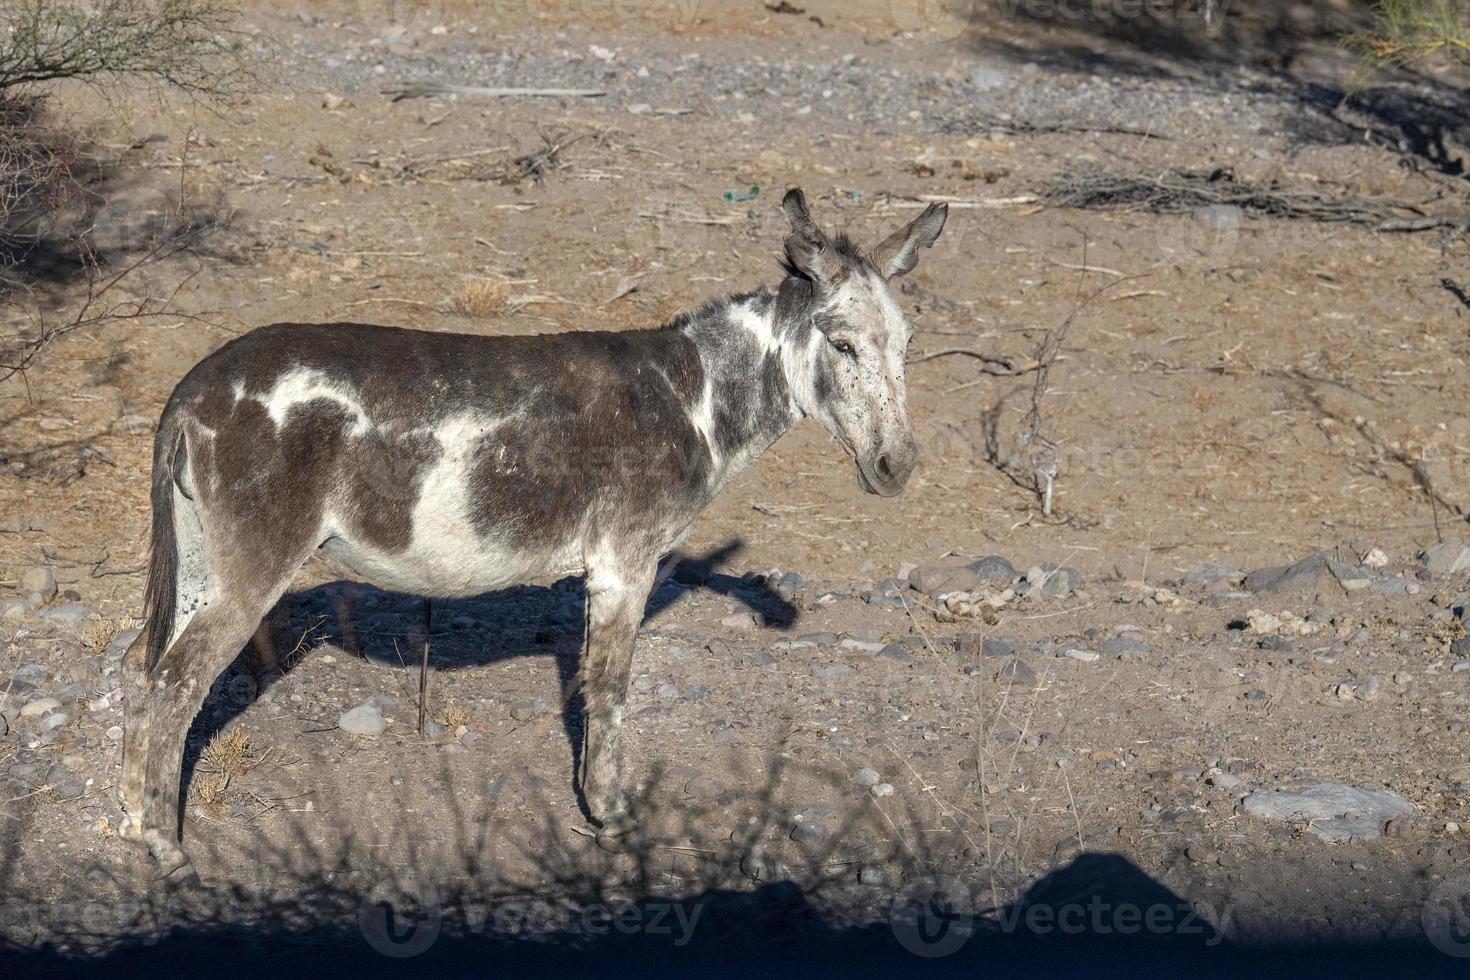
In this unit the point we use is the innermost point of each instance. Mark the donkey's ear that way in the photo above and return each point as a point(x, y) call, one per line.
point(807, 247)
point(899, 252)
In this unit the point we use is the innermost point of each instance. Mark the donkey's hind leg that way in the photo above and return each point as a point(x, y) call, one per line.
point(177, 686)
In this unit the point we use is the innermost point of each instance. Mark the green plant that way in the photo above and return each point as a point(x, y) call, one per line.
point(1407, 32)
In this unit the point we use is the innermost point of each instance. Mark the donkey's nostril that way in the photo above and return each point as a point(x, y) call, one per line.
point(883, 466)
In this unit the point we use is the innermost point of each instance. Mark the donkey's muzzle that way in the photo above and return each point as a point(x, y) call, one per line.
point(889, 471)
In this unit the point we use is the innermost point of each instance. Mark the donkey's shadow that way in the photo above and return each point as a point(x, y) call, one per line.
point(388, 628)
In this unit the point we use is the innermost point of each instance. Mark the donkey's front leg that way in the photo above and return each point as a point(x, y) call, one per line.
point(617, 590)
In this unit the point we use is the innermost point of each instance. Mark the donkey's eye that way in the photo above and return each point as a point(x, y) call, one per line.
point(843, 347)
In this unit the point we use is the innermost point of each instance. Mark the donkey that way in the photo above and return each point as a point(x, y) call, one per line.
point(451, 465)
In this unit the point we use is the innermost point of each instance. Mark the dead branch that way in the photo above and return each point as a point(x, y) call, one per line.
point(419, 90)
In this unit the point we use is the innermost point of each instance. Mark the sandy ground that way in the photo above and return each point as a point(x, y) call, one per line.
point(1237, 395)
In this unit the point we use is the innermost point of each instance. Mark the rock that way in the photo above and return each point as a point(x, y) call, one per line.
point(999, 646)
point(1017, 672)
point(69, 790)
point(882, 790)
point(863, 646)
point(867, 777)
point(71, 614)
point(938, 580)
point(120, 643)
point(1060, 582)
point(4, 727)
point(808, 832)
point(1352, 578)
point(1200, 854)
point(1209, 574)
point(738, 621)
point(1220, 217)
point(38, 707)
point(1123, 646)
point(13, 609)
point(528, 709)
point(365, 719)
point(984, 77)
point(1445, 558)
point(1086, 656)
point(834, 670)
point(433, 729)
point(872, 874)
point(37, 584)
point(1334, 812)
point(761, 865)
point(993, 568)
point(1308, 575)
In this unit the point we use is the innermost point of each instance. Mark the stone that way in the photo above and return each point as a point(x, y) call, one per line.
point(39, 707)
point(872, 874)
point(999, 646)
point(1123, 646)
point(1352, 578)
point(4, 726)
point(1308, 575)
point(1018, 672)
point(985, 77)
point(1224, 780)
point(938, 580)
point(70, 614)
point(993, 568)
point(528, 709)
point(863, 646)
point(1220, 217)
point(1333, 811)
point(867, 777)
point(37, 584)
point(1209, 574)
point(882, 790)
point(1085, 656)
point(1061, 582)
point(1447, 558)
point(365, 719)
point(808, 832)
point(1200, 854)
point(738, 621)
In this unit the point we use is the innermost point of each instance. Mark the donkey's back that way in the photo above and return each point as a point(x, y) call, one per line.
point(439, 464)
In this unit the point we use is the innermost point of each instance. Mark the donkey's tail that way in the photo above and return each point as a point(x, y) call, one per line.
point(161, 594)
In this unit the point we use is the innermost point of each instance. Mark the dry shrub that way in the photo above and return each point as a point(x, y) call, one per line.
point(210, 790)
point(455, 717)
point(479, 298)
point(228, 754)
point(97, 634)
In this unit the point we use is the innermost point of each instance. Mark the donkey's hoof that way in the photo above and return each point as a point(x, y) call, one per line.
point(617, 831)
point(130, 828)
point(172, 866)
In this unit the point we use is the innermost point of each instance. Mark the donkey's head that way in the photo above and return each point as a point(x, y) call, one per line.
point(856, 375)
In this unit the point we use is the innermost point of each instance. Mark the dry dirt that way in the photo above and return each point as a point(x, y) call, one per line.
point(1236, 397)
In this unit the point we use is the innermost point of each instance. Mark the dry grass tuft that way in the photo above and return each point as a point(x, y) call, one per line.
point(210, 790)
point(228, 754)
point(479, 298)
point(455, 717)
point(98, 633)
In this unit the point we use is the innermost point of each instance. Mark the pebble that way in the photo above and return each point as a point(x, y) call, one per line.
point(881, 790)
point(863, 646)
point(1086, 656)
point(738, 621)
point(365, 719)
point(1018, 672)
point(527, 709)
point(999, 646)
point(993, 568)
point(38, 707)
point(867, 777)
point(1122, 646)
point(1200, 854)
point(1447, 558)
point(937, 580)
point(1460, 667)
point(1224, 780)
point(37, 584)
point(667, 691)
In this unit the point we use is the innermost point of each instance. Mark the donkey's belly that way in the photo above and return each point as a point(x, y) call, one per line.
point(450, 567)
